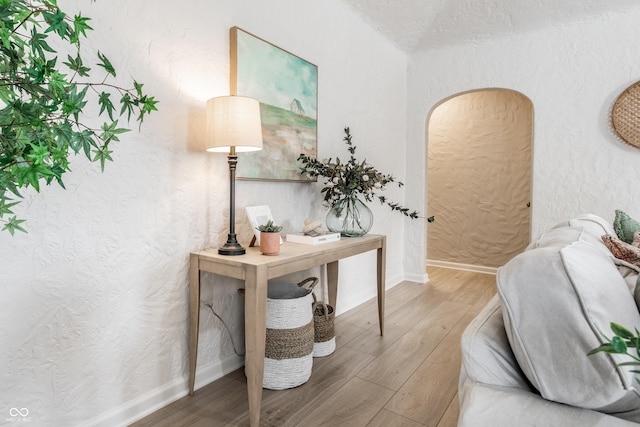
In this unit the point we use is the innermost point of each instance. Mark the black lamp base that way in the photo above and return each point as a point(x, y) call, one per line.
point(232, 247)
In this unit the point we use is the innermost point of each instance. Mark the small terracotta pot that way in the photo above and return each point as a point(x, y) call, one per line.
point(269, 243)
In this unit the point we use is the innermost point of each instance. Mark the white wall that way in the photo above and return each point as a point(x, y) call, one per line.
point(572, 73)
point(93, 307)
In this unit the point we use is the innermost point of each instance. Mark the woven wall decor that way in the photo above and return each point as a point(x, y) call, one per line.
point(625, 116)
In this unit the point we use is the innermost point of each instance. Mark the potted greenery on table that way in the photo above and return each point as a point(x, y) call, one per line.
point(344, 184)
point(270, 238)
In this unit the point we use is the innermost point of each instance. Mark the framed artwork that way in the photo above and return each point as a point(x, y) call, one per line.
point(287, 88)
point(259, 215)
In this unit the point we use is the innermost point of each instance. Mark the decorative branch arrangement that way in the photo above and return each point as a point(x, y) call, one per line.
point(42, 99)
point(352, 178)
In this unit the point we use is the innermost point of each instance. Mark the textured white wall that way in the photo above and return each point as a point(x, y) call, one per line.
point(572, 73)
point(479, 176)
point(93, 313)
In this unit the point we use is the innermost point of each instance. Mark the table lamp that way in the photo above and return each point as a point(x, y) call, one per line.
point(233, 125)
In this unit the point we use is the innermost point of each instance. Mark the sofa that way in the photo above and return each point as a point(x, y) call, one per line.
point(524, 357)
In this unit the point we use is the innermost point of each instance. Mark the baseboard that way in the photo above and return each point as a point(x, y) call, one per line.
point(459, 266)
point(390, 282)
point(156, 399)
point(418, 278)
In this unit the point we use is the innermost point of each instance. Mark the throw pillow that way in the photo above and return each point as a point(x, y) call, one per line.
point(636, 239)
point(622, 250)
point(625, 226)
point(556, 297)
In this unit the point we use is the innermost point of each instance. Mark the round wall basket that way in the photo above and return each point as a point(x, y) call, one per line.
point(625, 116)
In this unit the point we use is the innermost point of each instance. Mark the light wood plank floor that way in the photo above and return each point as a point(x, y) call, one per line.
point(408, 378)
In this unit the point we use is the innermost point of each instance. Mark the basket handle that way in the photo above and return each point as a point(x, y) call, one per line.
point(304, 284)
point(325, 307)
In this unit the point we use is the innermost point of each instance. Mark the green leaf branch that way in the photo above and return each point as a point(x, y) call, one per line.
point(622, 340)
point(42, 100)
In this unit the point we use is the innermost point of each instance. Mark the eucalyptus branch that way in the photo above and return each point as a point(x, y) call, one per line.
point(352, 178)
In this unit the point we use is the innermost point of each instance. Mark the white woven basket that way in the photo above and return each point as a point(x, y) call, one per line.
point(289, 342)
point(321, 349)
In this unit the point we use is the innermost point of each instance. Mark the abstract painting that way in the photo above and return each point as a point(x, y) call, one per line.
point(287, 88)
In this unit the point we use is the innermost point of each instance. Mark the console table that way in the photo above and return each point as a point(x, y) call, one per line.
point(255, 269)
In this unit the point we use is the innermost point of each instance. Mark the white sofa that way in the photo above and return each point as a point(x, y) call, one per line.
point(524, 357)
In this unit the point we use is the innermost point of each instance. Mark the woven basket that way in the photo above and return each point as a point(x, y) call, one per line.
point(324, 339)
point(625, 115)
point(289, 341)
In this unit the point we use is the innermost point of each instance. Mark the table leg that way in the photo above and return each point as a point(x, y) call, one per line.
point(255, 307)
point(381, 272)
point(332, 283)
point(194, 317)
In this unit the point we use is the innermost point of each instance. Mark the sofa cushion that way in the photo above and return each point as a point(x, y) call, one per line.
point(625, 226)
point(565, 233)
point(597, 227)
point(486, 355)
point(491, 406)
point(629, 272)
point(592, 224)
point(556, 297)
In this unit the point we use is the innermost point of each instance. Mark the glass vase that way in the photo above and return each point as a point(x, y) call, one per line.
point(350, 217)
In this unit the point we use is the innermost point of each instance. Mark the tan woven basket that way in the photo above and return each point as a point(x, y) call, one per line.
point(625, 115)
point(324, 340)
point(290, 332)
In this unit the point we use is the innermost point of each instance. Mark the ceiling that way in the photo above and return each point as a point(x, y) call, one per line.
point(415, 25)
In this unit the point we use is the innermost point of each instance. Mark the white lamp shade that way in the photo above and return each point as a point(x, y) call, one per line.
point(233, 121)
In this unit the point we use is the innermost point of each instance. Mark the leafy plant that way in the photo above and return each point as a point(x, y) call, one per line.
point(620, 343)
point(43, 97)
point(269, 227)
point(352, 178)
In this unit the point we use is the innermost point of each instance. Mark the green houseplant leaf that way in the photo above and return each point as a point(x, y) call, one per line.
point(269, 227)
point(620, 343)
point(43, 100)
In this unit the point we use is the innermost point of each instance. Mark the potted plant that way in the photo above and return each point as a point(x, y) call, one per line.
point(344, 182)
point(270, 238)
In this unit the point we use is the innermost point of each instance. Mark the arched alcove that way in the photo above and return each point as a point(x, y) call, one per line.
point(479, 151)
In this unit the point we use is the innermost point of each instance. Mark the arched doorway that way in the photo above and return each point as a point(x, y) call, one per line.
point(479, 163)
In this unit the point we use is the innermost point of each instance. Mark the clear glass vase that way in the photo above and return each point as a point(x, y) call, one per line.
point(350, 217)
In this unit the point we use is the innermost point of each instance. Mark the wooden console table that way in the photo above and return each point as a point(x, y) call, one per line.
point(255, 269)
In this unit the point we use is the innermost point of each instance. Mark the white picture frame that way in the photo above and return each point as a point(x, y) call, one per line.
point(259, 215)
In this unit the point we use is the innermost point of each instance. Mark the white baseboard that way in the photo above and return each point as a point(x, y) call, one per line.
point(418, 278)
point(390, 282)
point(459, 266)
point(156, 399)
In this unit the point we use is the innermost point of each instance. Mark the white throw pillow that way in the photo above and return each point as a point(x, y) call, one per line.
point(556, 297)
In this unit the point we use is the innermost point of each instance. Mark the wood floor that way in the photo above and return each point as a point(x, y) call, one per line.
point(407, 378)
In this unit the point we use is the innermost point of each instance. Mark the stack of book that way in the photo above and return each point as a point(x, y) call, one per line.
point(312, 240)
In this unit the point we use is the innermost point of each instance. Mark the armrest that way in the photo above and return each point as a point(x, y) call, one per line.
point(494, 406)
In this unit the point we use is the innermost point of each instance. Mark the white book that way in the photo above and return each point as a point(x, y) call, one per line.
point(312, 240)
